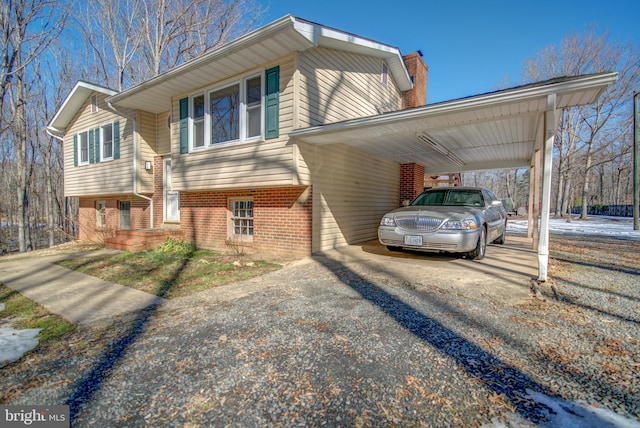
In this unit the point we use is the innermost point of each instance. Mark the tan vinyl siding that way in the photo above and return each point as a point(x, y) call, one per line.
point(163, 134)
point(336, 86)
point(253, 164)
point(102, 178)
point(147, 143)
point(351, 192)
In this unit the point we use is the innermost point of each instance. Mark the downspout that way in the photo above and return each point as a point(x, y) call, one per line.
point(135, 161)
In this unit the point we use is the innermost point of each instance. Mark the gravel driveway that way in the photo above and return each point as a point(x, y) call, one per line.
point(328, 342)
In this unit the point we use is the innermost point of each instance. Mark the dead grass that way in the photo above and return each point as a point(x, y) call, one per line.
point(170, 274)
point(25, 313)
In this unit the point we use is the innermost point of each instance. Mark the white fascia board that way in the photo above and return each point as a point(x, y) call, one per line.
point(72, 103)
point(578, 83)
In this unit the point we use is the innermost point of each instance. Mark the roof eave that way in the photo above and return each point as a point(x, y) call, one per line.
point(306, 35)
point(70, 105)
point(574, 84)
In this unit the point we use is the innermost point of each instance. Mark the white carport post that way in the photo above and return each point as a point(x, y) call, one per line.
point(550, 132)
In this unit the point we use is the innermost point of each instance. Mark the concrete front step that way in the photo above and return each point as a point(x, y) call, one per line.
point(141, 239)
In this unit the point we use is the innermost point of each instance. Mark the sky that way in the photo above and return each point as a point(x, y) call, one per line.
point(470, 47)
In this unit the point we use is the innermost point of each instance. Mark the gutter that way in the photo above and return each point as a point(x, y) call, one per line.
point(135, 161)
point(50, 132)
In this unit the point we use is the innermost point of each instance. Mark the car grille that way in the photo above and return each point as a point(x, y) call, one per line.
point(418, 223)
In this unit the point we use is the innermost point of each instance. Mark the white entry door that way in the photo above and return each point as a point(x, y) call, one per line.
point(171, 198)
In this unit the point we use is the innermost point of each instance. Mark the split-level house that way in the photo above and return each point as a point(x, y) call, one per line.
point(294, 138)
point(205, 150)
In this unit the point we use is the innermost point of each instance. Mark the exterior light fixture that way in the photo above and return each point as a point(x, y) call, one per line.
point(147, 165)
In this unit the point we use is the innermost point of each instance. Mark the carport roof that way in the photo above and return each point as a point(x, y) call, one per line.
point(500, 129)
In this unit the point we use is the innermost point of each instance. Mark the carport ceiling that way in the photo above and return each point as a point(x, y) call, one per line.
point(490, 131)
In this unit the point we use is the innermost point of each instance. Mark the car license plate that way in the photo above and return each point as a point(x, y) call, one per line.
point(412, 240)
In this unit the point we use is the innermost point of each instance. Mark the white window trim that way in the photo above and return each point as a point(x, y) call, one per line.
point(192, 122)
point(79, 148)
point(232, 227)
point(242, 83)
point(101, 142)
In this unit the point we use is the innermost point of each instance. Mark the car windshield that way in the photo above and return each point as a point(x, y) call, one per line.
point(450, 198)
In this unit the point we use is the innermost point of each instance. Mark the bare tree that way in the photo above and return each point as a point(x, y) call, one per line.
point(27, 29)
point(112, 31)
point(134, 40)
point(585, 132)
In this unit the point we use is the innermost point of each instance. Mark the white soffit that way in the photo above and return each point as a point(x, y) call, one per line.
point(489, 131)
point(262, 46)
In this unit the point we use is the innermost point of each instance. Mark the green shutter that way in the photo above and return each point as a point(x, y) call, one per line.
point(75, 150)
point(96, 145)
point(184, 125)
point(116, 140)
point(272, 101)
point(91, 145)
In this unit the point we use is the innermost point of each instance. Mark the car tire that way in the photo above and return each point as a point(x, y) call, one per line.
point(392, 248)
point(481, 247)
point(500, 240)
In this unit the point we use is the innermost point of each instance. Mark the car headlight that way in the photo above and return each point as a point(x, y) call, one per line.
point(388, 221)
point(466, 224)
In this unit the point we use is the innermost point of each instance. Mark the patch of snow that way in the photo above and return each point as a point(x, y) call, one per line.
point(620, 227)
point(14, 343)
point(568, 414)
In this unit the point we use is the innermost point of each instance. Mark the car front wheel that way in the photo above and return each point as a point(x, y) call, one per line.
point(481, 247)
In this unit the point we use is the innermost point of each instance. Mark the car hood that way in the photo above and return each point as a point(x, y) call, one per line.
point(436, 211)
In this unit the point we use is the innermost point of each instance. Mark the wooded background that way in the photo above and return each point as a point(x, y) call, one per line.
point(46, 46)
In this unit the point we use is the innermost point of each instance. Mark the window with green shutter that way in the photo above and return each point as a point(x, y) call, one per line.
point(240, 111)
point(97, 145)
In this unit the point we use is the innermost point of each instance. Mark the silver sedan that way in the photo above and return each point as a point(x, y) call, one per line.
point(451, 219)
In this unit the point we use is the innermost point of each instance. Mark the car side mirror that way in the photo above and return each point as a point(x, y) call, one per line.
point(496, 203)
point(406, 203)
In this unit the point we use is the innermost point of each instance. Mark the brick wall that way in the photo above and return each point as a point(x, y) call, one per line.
point(282, 218)
point(87, 217)
point(411, 181)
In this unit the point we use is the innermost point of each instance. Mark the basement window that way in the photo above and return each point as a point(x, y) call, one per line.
point(241, 220)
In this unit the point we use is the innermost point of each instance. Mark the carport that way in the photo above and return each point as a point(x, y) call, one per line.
point(513, 128)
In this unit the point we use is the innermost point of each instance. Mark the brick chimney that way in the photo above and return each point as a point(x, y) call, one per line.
point(418, 71)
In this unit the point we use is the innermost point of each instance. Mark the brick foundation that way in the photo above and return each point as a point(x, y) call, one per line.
point(282, 218)
point(87, 217)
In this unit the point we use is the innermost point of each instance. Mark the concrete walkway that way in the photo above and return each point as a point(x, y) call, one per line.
point(76, 297)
